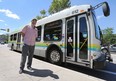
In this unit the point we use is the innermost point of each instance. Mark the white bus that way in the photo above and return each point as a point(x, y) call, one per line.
point(71, 35)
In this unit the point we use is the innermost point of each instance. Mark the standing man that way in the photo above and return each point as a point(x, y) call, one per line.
point(29, 34)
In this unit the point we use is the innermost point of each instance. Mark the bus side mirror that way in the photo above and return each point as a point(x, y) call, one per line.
point(106, 9)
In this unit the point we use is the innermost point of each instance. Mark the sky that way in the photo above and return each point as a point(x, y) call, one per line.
point(15, 14)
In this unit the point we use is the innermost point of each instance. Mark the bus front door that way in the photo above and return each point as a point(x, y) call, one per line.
point(83, 53)
point(70, 36)
point(77, 40)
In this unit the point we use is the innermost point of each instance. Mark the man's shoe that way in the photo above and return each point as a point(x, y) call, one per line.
point(30, 69)
point(21, 71)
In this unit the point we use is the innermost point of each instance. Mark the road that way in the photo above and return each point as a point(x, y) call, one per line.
point(108, 73)
point(59, 73)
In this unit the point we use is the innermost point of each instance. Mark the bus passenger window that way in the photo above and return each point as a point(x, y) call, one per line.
point(39, 33)
point(38, 38)
point(55, 37)
point(53, 31)
point(47, 37)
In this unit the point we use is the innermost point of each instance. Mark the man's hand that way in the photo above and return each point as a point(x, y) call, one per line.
point(22, 34)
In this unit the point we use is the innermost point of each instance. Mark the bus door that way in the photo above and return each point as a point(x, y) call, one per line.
point(18, 41)
point(70, 36)
point(83, 53)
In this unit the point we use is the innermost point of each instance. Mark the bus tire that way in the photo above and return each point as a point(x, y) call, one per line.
point(55, 56)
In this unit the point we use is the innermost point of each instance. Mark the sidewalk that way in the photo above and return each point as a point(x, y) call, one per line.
point(43, 71)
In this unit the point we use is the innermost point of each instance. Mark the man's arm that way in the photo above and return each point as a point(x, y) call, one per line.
point(36, 35)
point(23, 31)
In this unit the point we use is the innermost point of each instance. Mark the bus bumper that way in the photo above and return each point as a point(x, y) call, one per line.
point(100, 62)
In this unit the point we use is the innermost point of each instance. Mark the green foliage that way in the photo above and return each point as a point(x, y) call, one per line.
point(43, 14)
point(113, 40)
point(54, 7)
point(38, 17)
point(58, 5)
point(4, 37)
point(65, 4)
point(108, 36)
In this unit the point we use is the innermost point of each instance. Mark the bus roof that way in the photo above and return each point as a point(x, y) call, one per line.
point(64, 13)
point(60, 15)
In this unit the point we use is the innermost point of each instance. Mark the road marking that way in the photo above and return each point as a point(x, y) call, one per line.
point(114, 73)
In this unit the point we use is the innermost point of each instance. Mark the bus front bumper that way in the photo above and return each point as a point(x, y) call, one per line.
point(100, 62)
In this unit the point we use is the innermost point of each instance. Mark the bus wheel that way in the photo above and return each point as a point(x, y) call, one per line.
point(55, 56)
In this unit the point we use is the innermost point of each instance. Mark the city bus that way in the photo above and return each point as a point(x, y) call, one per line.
point(70, 36)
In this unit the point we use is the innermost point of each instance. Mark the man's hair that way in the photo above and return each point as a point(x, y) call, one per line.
point(34, 19)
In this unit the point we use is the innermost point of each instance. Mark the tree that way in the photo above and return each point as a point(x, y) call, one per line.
point(58, 5)
point(43, 14)
point(54, 7)
point(38, 17)
point(113, 40)
point(4, 38)
point(108, 35)
point(65, 4)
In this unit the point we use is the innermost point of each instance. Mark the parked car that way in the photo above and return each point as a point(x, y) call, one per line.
point(2, 42)
point(112, 48)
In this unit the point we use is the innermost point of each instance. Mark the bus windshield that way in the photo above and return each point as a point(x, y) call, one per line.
point(97, 29)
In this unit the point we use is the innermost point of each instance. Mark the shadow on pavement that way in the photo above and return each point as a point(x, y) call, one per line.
point(42, 73)
point(94, 73)
point(110, 67)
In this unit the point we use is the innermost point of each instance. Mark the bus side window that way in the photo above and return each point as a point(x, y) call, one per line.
point(39, 33)
point(55, 37)
point(38, 38)
point(47, 37)
point(53, 30)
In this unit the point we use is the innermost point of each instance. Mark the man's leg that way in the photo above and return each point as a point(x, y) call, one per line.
point(25, 49)
point(30, 56)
